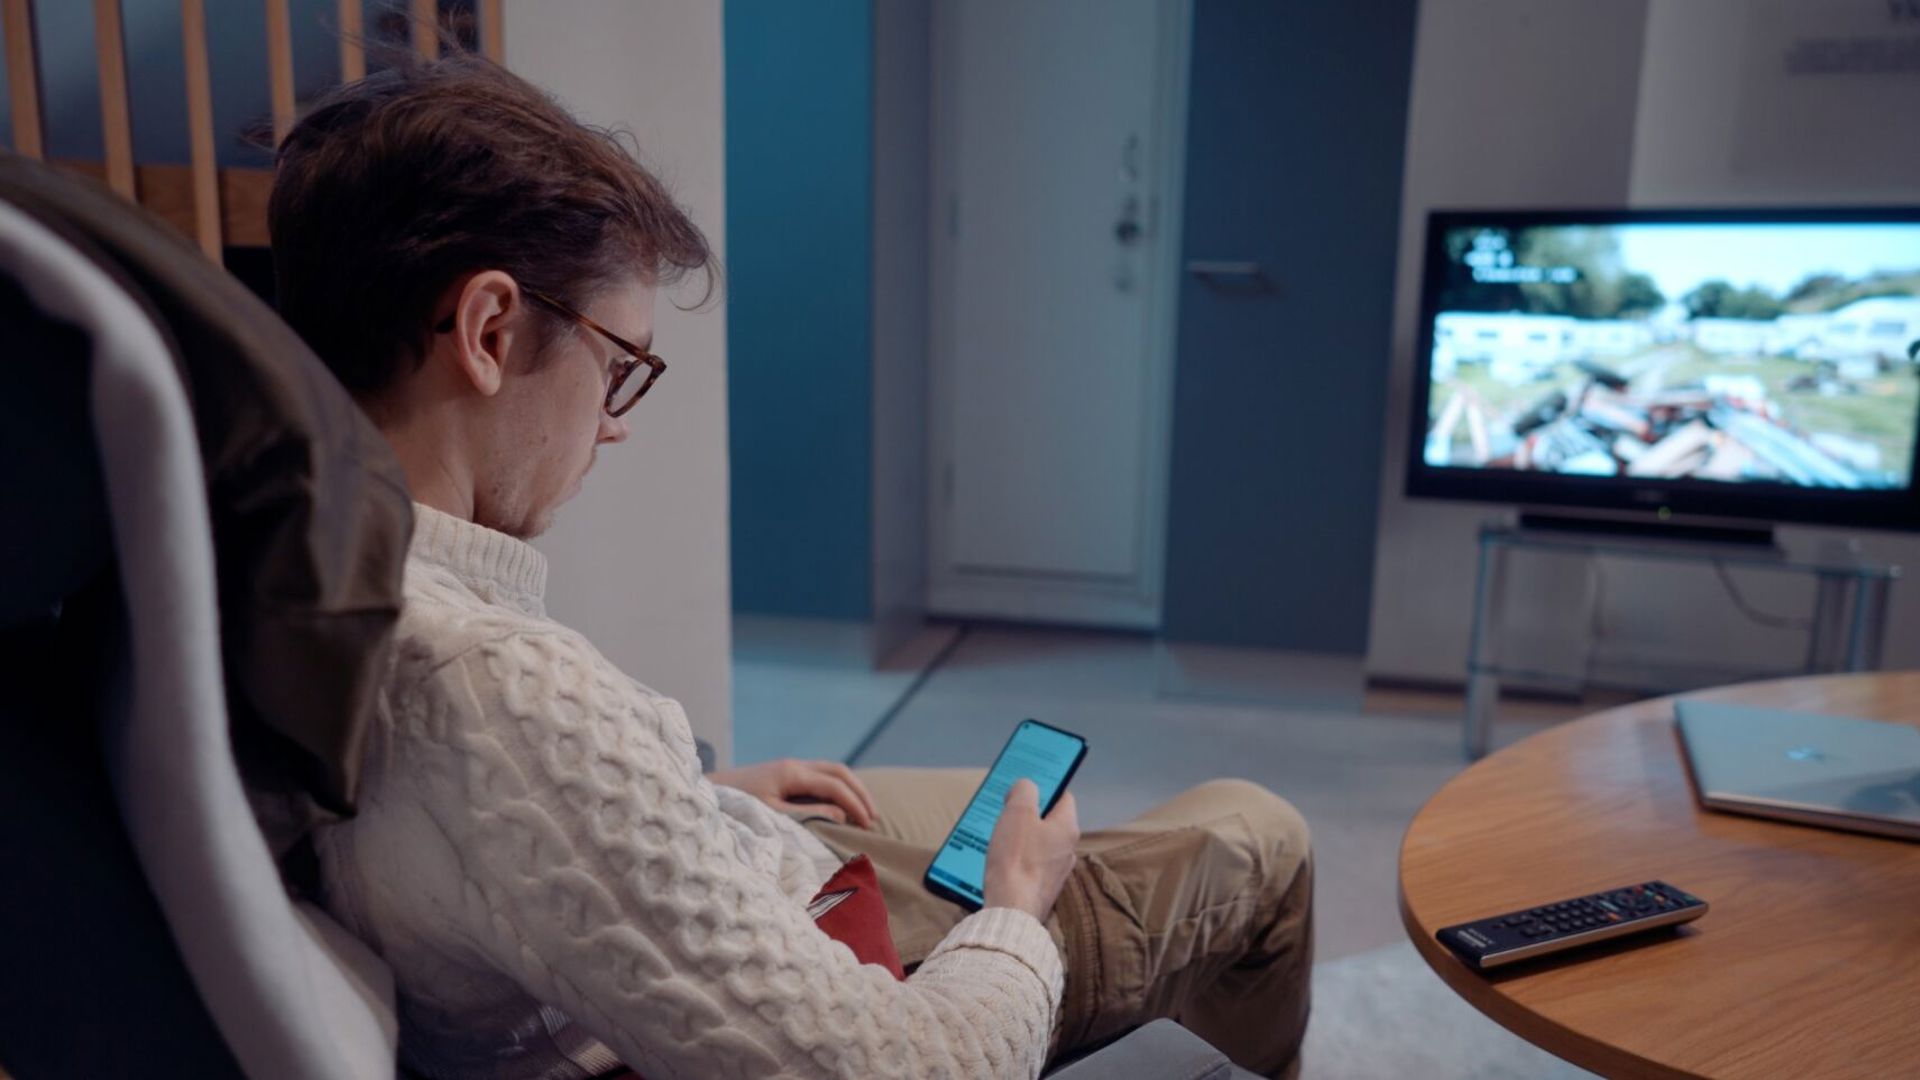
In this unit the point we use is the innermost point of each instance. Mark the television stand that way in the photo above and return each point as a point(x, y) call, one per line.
point(1755, 535)
point(1844, 631)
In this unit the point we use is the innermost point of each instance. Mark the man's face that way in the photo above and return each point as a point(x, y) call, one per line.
point(552, 420)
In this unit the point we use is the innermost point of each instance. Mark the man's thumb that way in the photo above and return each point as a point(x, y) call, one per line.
point(1023, 793)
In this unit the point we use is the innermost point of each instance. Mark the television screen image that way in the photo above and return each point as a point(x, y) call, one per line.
point(1713, 351)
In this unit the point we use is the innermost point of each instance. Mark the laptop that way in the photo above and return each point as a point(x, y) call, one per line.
point(1836, 771)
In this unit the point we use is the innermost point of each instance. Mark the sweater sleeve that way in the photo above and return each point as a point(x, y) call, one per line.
point(805, 862)
point(601, 873)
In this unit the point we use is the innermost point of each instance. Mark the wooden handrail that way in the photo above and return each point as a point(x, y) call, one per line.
point(167, 192)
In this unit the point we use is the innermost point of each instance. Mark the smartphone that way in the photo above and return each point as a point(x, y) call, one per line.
point(1045, 755)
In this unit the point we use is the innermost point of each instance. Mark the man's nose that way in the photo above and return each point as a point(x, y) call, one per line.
point(613, 429)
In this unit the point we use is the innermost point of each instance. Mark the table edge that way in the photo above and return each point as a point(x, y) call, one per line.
point(1550, 1035)
point(1536, 1028)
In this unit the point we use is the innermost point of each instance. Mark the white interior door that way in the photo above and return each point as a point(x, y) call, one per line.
point(1056, 155)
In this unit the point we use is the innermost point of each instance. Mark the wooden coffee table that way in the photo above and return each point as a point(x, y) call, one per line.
point(1806, 966)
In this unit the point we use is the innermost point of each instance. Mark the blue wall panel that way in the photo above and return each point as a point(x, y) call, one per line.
point(1295, 150)
point(799, 121)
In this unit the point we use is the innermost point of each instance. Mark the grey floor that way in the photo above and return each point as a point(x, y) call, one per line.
point(1158, 719)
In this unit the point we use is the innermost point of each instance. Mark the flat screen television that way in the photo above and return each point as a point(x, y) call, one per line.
point(1697, 364)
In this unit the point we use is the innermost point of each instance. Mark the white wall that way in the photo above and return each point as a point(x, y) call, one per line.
point(1648, 103)
point(1515, 104)
point(1725, 119)
point(640, 560)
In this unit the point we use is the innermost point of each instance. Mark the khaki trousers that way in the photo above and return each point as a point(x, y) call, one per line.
point(1200, 910)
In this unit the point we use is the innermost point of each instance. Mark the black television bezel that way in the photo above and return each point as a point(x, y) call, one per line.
point(1690, 499)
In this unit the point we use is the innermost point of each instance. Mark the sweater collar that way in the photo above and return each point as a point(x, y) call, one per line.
point(497, 567)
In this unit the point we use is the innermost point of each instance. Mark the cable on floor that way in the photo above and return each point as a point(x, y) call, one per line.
point(1777, 622)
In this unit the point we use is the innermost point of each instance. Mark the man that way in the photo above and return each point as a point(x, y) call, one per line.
point(558, 889)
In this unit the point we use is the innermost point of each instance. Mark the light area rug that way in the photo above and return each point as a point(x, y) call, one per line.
point(1383, 1015)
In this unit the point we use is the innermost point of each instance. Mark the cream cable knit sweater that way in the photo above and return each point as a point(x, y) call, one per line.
point(557, 888)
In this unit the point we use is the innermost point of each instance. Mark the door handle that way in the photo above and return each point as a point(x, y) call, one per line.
point(1128, 229)
point(1221, 268)
point(1232, 275)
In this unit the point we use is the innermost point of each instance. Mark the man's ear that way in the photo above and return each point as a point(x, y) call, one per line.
point(486, 317)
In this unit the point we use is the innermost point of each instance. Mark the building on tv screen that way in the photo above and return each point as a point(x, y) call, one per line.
point(1739, 353)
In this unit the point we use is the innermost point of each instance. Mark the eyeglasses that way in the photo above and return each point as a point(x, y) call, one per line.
point(623, 389)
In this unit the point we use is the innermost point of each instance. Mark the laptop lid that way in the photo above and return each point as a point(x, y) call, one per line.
point(1838, 771)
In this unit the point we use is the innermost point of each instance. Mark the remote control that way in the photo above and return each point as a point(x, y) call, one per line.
point(1550, 928)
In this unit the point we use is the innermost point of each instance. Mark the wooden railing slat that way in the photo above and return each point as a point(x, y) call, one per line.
point(493, 31)
point(280, 67)
point(23, 78)
point(426, 28)
point(209, 202)
point(206, 181)
point(116, 123)
point(353, 52)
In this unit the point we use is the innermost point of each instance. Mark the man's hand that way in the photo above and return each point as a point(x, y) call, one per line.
point(826, 788)
point(1029, 857)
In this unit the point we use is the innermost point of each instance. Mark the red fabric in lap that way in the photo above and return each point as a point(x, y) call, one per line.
point(856, 914)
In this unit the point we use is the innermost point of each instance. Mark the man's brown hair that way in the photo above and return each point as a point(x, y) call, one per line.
point(394, 186)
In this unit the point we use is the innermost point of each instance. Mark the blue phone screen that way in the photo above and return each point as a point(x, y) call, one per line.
point(1036, 752)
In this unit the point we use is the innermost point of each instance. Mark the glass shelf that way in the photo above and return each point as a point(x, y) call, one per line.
point(1845, 629)
point(1827, 557)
